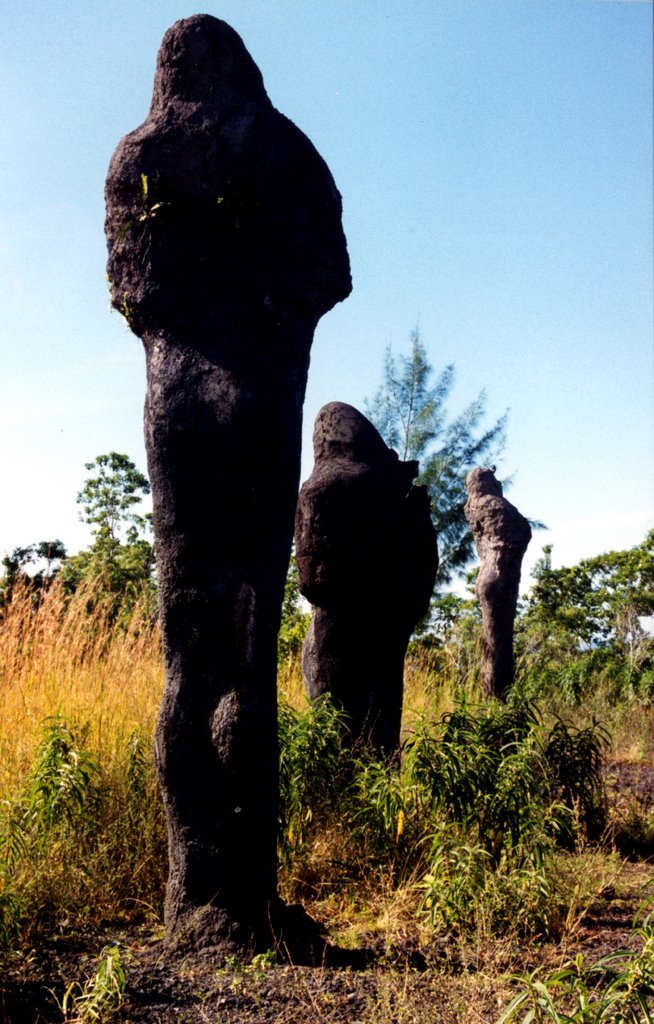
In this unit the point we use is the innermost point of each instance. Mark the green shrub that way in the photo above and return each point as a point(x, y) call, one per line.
point(488, 786)
point(62, 786)
point(100, 997)
point(310, 768)
point(476, 807)
point(466, 890)
point(575, 757)
point(80, 837)
point(618, 989)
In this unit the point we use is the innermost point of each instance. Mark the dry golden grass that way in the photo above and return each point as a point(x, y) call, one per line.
point(430, 690)
point(290, 683)
point(434, 681)
point(66, 657)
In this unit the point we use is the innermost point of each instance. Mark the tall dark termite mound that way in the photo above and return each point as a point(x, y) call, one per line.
point(367, 560)
point(225, 248)
point(501, 535)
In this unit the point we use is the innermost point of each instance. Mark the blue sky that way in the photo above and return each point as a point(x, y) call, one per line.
point(495, 163)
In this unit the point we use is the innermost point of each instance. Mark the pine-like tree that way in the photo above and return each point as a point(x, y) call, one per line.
point(410, 412)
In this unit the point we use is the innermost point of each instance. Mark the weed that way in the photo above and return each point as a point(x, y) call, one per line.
point(262, 962)
point(310, 768)
point(100, 997)
point(476, 808)
point(618, 989)
point(61, 783)
point(576, 757)
point(78, 838)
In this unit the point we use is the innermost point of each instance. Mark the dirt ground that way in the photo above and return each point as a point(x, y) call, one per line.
point(408, 984)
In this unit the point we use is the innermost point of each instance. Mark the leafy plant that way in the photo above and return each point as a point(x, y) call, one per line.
point(61, 782)
point(575, 756)
point(295, 621)
point(487, 771)
point(487, 786)
point(474, 808)
point(309, 769)
point(100, 997)
point(467, 890)
point(386, 823)
point(54, 800)
point(618, 989)
point(78, 837)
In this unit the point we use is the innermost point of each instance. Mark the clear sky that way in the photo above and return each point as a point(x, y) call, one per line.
point(495, 163)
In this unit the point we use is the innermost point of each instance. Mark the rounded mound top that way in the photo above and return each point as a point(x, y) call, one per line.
point(341, 431)
point(480, 482)
point(202, 61)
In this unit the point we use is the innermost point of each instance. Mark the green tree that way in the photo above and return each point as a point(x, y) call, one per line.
point(295, 620)
point(110, 497)
point(410, 412)
point(120, 555)
point(600, 600)
point(34, 566)
point(584, 621)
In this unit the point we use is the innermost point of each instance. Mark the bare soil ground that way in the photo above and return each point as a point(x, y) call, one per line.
point(406, 984)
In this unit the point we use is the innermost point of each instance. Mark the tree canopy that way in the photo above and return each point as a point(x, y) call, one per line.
point(410, 412)
point(108, 499)
point(121, 554)
point(35, 566)
point(598, 601)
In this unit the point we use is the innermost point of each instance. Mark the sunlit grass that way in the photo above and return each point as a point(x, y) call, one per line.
point(100, 672)
point(69, 658)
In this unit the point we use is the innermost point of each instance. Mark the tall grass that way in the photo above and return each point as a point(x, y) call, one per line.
point(81, 828)
point(467, 831)
point(74, 658)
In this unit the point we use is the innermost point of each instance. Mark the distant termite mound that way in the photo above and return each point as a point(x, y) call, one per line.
point(225, 248)
point(502, 536)
point(367, 560)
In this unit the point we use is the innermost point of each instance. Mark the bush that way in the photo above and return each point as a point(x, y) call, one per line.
point(618, 989)
point(472, 815)
point(310, 769)
point(80, 838)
